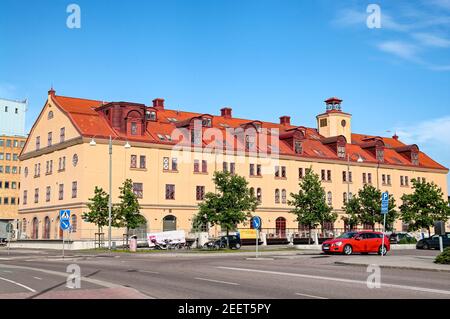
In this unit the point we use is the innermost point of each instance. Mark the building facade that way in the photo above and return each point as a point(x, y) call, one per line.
point(174, 154)
point(12, 140)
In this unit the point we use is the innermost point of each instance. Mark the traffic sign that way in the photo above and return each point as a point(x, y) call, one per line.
point(64, 219)
point(385, 203)
point(256, 222)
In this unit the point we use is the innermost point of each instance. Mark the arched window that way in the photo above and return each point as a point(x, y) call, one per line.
point(24, 225)
point(329, 198)
point(74, 224)
point(283, 196)
point(280, 227)
point(344, 198)
point(277, 195)
point(169, 223)
point(46, 228)
point(258, 194)
point(35, 229)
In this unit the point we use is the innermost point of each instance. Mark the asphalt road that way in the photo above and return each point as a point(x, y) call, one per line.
point(30, 274)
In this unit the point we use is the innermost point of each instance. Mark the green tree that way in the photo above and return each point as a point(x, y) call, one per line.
point(309, 205)
point(231, 205)
point(424, 206)
point(98, 210)
point(127, 211)
point(369, 199)
point(352, 208)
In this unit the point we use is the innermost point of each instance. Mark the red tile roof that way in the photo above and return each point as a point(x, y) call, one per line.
point(90, 123)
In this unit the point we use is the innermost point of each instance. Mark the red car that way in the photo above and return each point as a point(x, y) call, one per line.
point(363, 242)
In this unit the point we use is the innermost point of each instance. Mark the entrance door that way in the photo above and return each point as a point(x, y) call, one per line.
point(280, 227)
point(35, 229)
point(169, 223)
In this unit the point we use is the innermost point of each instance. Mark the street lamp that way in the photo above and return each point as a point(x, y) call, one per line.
point(126, 146)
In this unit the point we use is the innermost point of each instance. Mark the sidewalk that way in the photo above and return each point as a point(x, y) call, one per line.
point(398, 262)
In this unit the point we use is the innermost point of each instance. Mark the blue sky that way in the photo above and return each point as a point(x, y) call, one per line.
point(263, 58)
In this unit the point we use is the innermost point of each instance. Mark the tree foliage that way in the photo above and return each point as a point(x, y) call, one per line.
point(231, 205)
point(98, 210)
point(424, 206)
point(127, 211)
point(309, 204)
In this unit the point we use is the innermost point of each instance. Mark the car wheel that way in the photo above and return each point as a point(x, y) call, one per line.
point(348, 250)
point(237, 246)
point(426, 246)
point(382, 250)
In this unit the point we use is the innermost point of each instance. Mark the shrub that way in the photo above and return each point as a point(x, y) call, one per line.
point(444, 257)
point(407, 240)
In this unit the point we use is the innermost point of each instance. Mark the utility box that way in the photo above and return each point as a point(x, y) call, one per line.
point(133, 243)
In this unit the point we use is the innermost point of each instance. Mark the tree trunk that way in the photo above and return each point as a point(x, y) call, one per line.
point(228, 232)
point(309, 239)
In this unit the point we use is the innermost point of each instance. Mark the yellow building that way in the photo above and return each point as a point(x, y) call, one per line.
point(174, 153)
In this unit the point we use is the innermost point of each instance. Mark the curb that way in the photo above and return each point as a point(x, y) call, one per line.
point(392, 267)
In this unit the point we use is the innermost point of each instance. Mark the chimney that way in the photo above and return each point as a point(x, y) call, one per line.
point(226, 112)
point(285, 120)
point(158, 103)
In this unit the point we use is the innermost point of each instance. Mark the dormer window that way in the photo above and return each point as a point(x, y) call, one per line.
point(380, 155)
point(249, 142)
point(133, 128)
point(195, 137)
point(298, 147)
point(341, 151)
point(150, 115)
point(206, 122)
point(415, 158)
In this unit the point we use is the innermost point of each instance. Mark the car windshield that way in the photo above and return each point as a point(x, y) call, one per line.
point(347, 235)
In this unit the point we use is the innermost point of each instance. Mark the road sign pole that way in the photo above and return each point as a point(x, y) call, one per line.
point(257, 239)
point(63, 244)
point(384, 232)
point(441, 244)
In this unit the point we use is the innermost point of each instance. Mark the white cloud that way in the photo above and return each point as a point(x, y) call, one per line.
point(433, 132)
point(432, 40)
point(400, 49)
point(350, 17)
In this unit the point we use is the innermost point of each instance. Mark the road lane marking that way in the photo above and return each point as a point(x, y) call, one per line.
point(351, 281)
point(37, 278)
point(18, 284)
point(310, 296)
point(218, 281)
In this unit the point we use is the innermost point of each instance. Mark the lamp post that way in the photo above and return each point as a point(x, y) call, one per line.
point(126, 146)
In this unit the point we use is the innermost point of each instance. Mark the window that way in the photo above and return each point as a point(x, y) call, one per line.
point(142, 161)
point(1, 168)
point(2, 156)
point(364, 177)
point(283, 196)
point(259, 194)
point(150, 115)
point(38, 143)
point(406, 181)
point(383, 179)
point(344, 198)
point(204, 166)
point(49, 167)
point(344, 176)
point(16, 143)
point(138, 190)
point(165, 163)
point(24, 225)
point(37, 170)
point(8, 143)
point(74, 224)
point(170, 191)
point(277, 171)
point(200, 192)
point(252, 169)
point(258, 170)
point(74, 160)
point(323, 122)
point(133, 128)
point(300, 173)
point(7, 169)
point(62, 163)
point(329, 175)
point(402, 181)
point(232, 168)
point(8, 156)
point(415, 158)
point(389, 179)
point(329, 198)
point(283, 171)
point(50, 115)
point(277, 196)
point(322, 174)
point(25, 197)
point(206, 121)
point(249, 142)
point(369, 178)
point(225, 166)
point(61, 191)
point(13, 185)
point(15, 157)
point(6, 185)
point(298, 147)
point(380, 155)
point(49, 139)
point(14, 169)
point(174, 164)
point(6, 200)
point(47, 194)
point(350, 178)
point(196, 166)
point(62, 134)
point(25, 171)
point(2, 143)
point(74, 189)
point(133, 162)
point(341, 151)
point(36, 195)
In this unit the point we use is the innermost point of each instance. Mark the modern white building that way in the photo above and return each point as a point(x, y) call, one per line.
point(12, 117)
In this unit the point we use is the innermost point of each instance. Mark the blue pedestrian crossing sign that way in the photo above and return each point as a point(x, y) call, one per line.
point(64, 219)
point(385, 203)
point(256, 222)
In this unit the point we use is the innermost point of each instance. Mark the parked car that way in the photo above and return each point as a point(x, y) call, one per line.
point(395, 238)
point(433, 242)
point(363, 242)
point(233, 240)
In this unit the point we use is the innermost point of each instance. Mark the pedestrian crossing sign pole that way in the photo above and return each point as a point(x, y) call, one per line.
point(384, 211)
point(64, 221)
